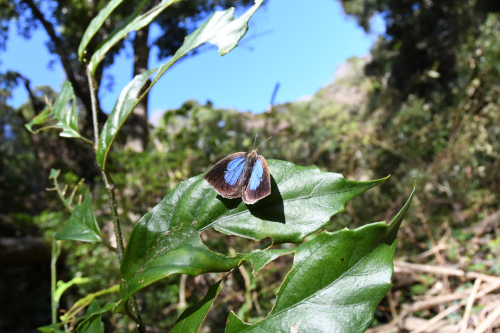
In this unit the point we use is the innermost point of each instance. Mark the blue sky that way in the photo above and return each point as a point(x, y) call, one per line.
point(303, 47)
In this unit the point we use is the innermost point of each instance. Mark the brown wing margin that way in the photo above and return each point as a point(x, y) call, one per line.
point(264, 188)
point(216, 177)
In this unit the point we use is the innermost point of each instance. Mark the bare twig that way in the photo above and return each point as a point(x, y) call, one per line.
point(444, 270)
point(94, 108)
point(490, 320)
point(392, 304)
point(439, 258)
point(440, 316)
point(182, 292)
point(468, 307)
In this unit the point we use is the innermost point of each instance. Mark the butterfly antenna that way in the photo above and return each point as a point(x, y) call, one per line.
point(264, 142)
point(254, 141)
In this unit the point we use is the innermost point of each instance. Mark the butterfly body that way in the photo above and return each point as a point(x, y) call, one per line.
point(244, 175)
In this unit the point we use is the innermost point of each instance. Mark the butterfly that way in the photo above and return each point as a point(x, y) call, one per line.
point(244, 175)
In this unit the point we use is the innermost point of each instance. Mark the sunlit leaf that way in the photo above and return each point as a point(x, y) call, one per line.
point(59, 116)
point(96, 24)
point(221, 29)
point(192, 318)
point(133, 22)
point(166, 240)
point(335, 284)
point(123, 108)
point(82, 225)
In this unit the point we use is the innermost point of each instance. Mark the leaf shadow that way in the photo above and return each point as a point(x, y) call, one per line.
point(271, 208)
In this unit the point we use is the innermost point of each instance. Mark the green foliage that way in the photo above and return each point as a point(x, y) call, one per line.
point(220, 29)
point(169, 240)
point(95, 25)
point(192, 318)
point(82, 226)
point(63, 286)
point(133, 22)
point(166, 240)
point(124, 106)
point(66, 120)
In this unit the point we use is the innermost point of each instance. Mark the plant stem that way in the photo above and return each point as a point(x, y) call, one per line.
point(94, 108)
point(87, 141)
point(61, 196)
point(133, 313)
point(132, 310)
point(53, 279)
point(109, 246)
point(110, 186)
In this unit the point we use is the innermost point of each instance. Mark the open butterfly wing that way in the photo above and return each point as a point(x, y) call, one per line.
point(225, 176)
point(259, 185)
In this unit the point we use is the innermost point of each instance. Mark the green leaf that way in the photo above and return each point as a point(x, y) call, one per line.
point(94, 325)
point(53, 328)
point(92, 319)
point(123, 108)
point(82, 226)
point(67, 120)
point(166, 240)
point(54, 173)
point(63, 286)
point(221, 29)
point(133, 22)
point(192, 318)
point(95, 25)
point(335, 284)
point(82, 302)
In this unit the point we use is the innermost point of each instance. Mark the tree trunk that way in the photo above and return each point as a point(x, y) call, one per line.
point(138, 131)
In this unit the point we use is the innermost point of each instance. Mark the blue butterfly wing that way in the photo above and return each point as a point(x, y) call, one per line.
point(259, 184)
point(225, 176)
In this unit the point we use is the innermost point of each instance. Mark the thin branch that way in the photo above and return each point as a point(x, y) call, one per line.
point(56, 250)
point(488, 323)
point(94, 108)
point(109, 246)
point(116, 219)
point(470, 304)
point(61, 195)
point(132, 310)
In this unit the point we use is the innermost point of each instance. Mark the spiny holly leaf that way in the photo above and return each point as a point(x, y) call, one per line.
point(221, 29)
point(96, 24)
point(82, 226)
point(67, 120)
point(133, 23)
point(166, 240)
point(124, 106)
point(335, 284)
point(192, 318)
